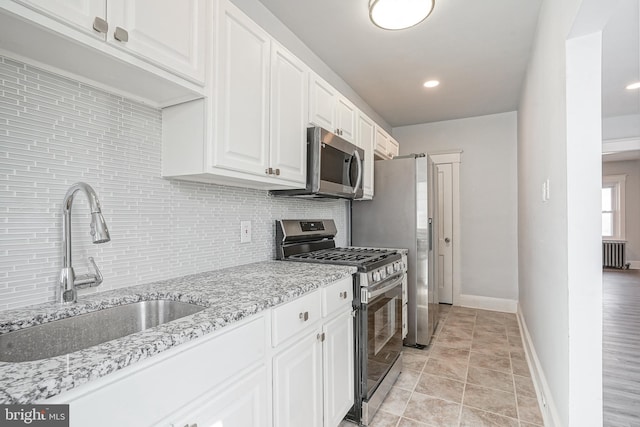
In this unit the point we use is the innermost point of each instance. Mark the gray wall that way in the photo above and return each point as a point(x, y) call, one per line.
point(488, 196)
point(630, 168)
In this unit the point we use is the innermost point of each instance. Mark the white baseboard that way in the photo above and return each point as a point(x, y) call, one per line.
point(488, 303)
point(634, 265)
point(545, 398)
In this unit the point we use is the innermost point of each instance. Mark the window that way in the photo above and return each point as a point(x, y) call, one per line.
point(613, 207)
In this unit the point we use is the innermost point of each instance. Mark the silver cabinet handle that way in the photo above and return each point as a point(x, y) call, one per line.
point(100, 25)
point(304, 316)
point(343, 295)
point(277, 172)
point(320, 337)
point(121, 35)
point(447, 240)
point(268, 171)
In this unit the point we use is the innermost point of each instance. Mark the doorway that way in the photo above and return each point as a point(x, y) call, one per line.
point(447, 168)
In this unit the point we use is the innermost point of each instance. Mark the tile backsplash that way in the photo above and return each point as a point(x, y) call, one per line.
point(55, 131)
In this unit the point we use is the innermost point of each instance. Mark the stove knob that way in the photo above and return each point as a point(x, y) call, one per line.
point(396, 266)
point(375, 276)
point(390, 269)
point(383, 274)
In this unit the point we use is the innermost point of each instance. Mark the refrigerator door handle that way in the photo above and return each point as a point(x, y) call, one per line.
point(430, 234)
point(359, 179)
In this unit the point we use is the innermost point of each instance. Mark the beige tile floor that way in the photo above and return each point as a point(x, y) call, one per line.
point(474, 374)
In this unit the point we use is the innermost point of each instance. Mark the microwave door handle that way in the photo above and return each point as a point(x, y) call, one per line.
point(359, 179)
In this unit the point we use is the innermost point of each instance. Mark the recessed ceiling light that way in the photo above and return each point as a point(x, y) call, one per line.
point(399, 14)
point(635, 85)
point(431, 83)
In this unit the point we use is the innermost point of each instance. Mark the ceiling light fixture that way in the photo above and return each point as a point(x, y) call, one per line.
point(431, 83)
point(399, 14)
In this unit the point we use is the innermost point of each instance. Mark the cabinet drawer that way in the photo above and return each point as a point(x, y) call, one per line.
point(337, 295)
point(294, 316)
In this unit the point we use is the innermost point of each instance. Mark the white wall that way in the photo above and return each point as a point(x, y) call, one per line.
point(630, 168)
point(488, 196)
point(54, 132)
point(559, 138)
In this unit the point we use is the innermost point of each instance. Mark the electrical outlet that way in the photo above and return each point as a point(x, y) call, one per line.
point(245, 231)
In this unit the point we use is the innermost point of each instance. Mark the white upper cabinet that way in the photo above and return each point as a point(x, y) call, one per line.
point(153, 51)
point(241, 93)
point(77, 13)
point(250, 131)
point(386, 147)
point(330, 110)
point(170, 33)
point(366, 135)
point(289, 83)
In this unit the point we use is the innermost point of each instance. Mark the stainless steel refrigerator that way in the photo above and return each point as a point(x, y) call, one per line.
point(402, 214)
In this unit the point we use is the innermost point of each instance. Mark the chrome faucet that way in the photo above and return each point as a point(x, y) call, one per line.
point(100, 234)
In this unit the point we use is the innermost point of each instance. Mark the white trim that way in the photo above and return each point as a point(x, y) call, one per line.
point(543, 392)
point(623, 144)
point(440, 157)
point(634, 265)
point(488, 303)
point(453, 157)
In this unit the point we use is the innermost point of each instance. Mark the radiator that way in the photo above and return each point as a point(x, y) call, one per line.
point(613, 254)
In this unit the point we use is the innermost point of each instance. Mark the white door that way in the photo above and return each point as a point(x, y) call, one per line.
point(242, 404)
point(297, 384)
point(322, 104)
point(242, 93)
point(365, 137)
point(338, 353)
point(289, 103)
point(445, 233)
point(170, 33)
point(77, 13)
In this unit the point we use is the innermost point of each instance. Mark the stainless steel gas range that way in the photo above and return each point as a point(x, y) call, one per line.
point(378, 304)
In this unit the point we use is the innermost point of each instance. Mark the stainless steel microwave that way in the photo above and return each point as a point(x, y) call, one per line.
point(334, 168)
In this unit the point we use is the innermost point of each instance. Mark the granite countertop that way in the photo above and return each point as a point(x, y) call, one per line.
point(230, 295)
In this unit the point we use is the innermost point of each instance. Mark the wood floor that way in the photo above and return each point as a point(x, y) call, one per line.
point(621, 348)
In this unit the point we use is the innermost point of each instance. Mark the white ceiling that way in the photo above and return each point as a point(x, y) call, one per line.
point(478, 50)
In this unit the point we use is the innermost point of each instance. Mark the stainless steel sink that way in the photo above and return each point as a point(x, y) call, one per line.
point(86, 330)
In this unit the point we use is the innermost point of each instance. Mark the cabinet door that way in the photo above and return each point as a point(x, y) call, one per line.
point(322, 104)
point(338, 353)
point(393, 148)
point(77, 13)
point(297, 384)
point(242, 404)
point(242, 93)
point(289, 103)
point(382, 140)
point(168, 32)
point(366, 140)
point(346, 114)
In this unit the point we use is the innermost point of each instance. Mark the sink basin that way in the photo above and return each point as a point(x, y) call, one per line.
point(86, 330)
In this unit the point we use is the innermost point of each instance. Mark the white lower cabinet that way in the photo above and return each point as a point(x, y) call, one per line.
point(289, 366)
point(297, 383)
point(337, 356)
point(242, 403)
point(313, 372)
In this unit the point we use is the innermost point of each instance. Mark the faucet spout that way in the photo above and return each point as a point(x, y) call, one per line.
point(99, 233)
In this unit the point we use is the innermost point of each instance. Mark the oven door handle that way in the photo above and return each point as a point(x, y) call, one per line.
point(377, 292)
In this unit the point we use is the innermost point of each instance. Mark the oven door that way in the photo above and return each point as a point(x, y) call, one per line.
point(383, 316)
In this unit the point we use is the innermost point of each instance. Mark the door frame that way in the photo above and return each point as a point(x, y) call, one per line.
point(454, 158)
